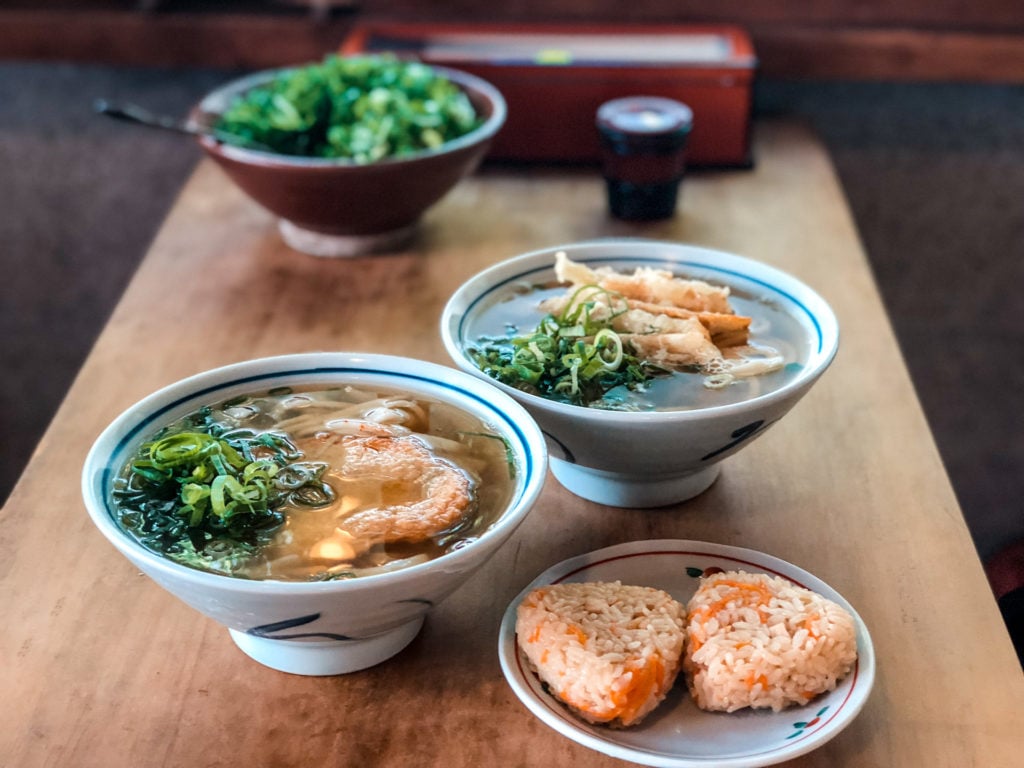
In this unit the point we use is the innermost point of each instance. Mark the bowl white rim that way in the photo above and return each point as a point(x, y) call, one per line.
point(822, 317)
point(859, 683)
point(213, 104)
point(531, 449)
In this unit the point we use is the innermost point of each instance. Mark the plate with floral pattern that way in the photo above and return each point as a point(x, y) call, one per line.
point(677, 734)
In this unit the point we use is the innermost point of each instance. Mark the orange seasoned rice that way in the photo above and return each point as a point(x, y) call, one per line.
point(760, 641)
point(610, 652)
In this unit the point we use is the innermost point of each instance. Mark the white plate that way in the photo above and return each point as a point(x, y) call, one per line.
point(678, 734)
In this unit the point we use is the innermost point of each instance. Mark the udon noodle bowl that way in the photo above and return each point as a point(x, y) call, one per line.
point(317, 483)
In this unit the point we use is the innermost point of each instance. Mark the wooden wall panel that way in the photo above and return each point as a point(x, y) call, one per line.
point(942, 40)
point(890, 54)
point(992, 15)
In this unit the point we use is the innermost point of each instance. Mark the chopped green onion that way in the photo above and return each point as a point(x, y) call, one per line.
point(211, 492)
point(573, 357)
point(360, 108)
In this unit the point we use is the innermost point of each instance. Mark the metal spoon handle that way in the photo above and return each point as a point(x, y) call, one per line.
point(134, 114)
point(130, 113)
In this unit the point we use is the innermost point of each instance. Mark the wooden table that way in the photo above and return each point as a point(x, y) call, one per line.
point(103, 668)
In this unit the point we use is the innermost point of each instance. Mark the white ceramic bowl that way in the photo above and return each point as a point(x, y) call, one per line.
point(649, 458)
point(331, 627)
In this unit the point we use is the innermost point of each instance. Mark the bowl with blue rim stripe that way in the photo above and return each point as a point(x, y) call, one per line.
point(650, 454)
point(329, 626)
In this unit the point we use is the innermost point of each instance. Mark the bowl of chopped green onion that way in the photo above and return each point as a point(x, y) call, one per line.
point(645, 363)
point(351, 151)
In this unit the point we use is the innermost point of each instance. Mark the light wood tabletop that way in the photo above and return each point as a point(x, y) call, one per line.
point(101, 667)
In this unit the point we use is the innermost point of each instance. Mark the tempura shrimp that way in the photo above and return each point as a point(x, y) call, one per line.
point(424, 495)
point(653, 286)
point(678, 339)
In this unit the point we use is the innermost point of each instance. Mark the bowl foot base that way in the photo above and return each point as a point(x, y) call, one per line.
point(326, 657)
point(341, 246)
point(617, 490)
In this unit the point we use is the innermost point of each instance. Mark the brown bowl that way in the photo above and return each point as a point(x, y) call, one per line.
point(337, 207)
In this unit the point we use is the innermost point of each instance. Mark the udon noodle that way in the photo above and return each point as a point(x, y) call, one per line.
point(643, 340)
point(315, 484)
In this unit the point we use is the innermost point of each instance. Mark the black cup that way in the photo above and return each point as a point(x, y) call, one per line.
point(643, 152)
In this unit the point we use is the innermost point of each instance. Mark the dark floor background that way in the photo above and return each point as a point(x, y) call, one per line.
point(934, 175)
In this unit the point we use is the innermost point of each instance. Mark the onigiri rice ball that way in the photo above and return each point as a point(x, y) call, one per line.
point(610, 652)
point(760, 641)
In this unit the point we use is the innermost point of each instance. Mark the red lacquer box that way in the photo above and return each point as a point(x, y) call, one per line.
point(554, 79)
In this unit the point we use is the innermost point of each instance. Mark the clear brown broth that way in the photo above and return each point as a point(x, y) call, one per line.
point(297, 550)
point(772, 330)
